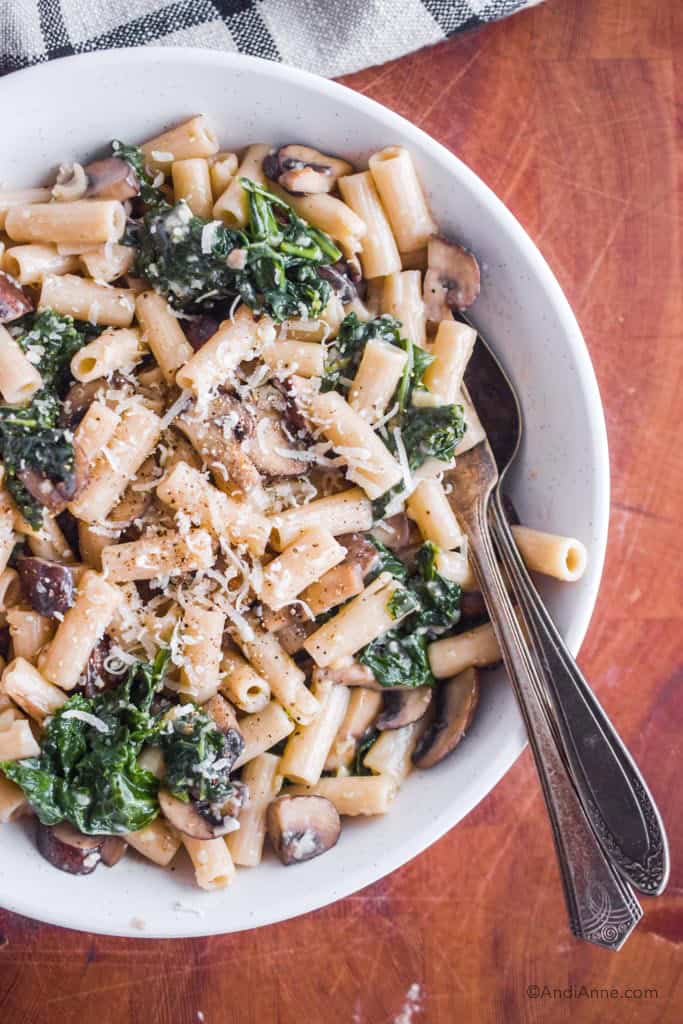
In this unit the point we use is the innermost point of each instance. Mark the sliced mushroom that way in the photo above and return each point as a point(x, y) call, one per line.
point(472, 606)
point(350, 673)
point(191, 821)
point(113, 849)
point(303, 170)
point(13, 302)
point(456, 702)
point(269, 444)
point(199, 329)
point(68, 849)
point(111, 178)
point(302, 827)
point(53, 494)
point(102, 672)
point(395, 532)
point(219, 437)
point(223, 715)
point(47, 586)
point(78, 400)
point(403, 707)
point(452, 280)
point(291, 625)
point(339, 275)
point(360, 551)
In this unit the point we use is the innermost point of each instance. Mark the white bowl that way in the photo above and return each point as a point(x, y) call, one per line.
point(70, 109)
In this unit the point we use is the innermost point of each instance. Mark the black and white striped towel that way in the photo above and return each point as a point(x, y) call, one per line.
point(330, 37)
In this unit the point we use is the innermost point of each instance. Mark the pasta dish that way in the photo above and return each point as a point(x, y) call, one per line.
point(235, 599)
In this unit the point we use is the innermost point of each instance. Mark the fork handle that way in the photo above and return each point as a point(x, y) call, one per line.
point(601, 905)
point(613, 792)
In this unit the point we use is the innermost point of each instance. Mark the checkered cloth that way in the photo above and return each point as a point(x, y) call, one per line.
point(330, 37)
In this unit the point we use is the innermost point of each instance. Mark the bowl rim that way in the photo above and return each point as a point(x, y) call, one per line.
point(347, 98)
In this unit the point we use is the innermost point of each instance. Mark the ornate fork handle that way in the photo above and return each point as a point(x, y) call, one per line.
point(602, 907)
point(613, 792)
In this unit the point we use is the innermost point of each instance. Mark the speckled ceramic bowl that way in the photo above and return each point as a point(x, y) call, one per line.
point(71, 108)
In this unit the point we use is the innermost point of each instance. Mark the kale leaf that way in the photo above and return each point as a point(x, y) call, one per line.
point(387, 562)
point(34, 448)
point(364, 744)
point(399, 657)
point(197, 756)
point(87, 771)
point(274, 260)
point(150, 194)
point(432, 432)
point(344, 355)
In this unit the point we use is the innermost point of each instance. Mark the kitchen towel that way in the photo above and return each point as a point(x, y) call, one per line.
point(329, 37)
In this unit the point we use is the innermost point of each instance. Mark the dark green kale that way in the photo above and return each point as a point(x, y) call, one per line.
point(150, 194)
point(345, 353)
point(36, 451)
point(197, 757)
point(273, 264)
point(416, 365)
point(388, 562)
point(364, 744)
point(87, 772)
point(399, 657)
point(432, 432)
point(381, 504)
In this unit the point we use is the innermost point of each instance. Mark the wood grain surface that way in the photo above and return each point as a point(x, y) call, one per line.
point(570, 112)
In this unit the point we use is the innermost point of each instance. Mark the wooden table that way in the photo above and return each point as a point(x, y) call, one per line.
point(568, 111)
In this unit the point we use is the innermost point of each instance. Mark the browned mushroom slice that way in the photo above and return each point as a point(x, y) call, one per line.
point(47, 586)
point(269, 446)
point(68, 849)
point(359, 551)
point(342, 277)
point(223, 715)
point(13, 302)
point(456, 702)
point(53, 494)
point(405, 706)
point(301, 169)
point(78, 400)
point(102, 672)
point(302, 827)
point(452, 280)
point(396, 532)
point(113, 849)
point(291, 625)
point(199, 329)
point(352, 673)
point(191, 822)
point(111, 178)
point(219, 436)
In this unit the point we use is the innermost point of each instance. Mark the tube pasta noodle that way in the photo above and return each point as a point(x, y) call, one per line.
point(452, 349)
point(213, 865)
point(233, 205)
point(157, 842)
point(133, 440)
point(263, 730)
point(379, 255)
point(113, 350)
point(21, 197)
point(19, 379)
point(192, 183)
point(150, 557)
point(304, 561)
point(371, 465)
point(107, 262)
point(285, 678)
point(429, 507)
point(354, 795)
point(308, 746)
point(244, 687)
point(80, 629)
point(163, 334)
point(193, 138)
point(345, 512)
point(263, 779)
point(29, 632)
point(397, 183)
point(222, 169)
point(550, 553)
point(380, 370)
point(85, 221)
point(360, 621)
point(29, 264)
point(234, 437)
point(87, 300)
point(188, 491)
point(402, 299)
point(202, 633)
point(233, 342)
point(30, 690)
point(476, 648)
